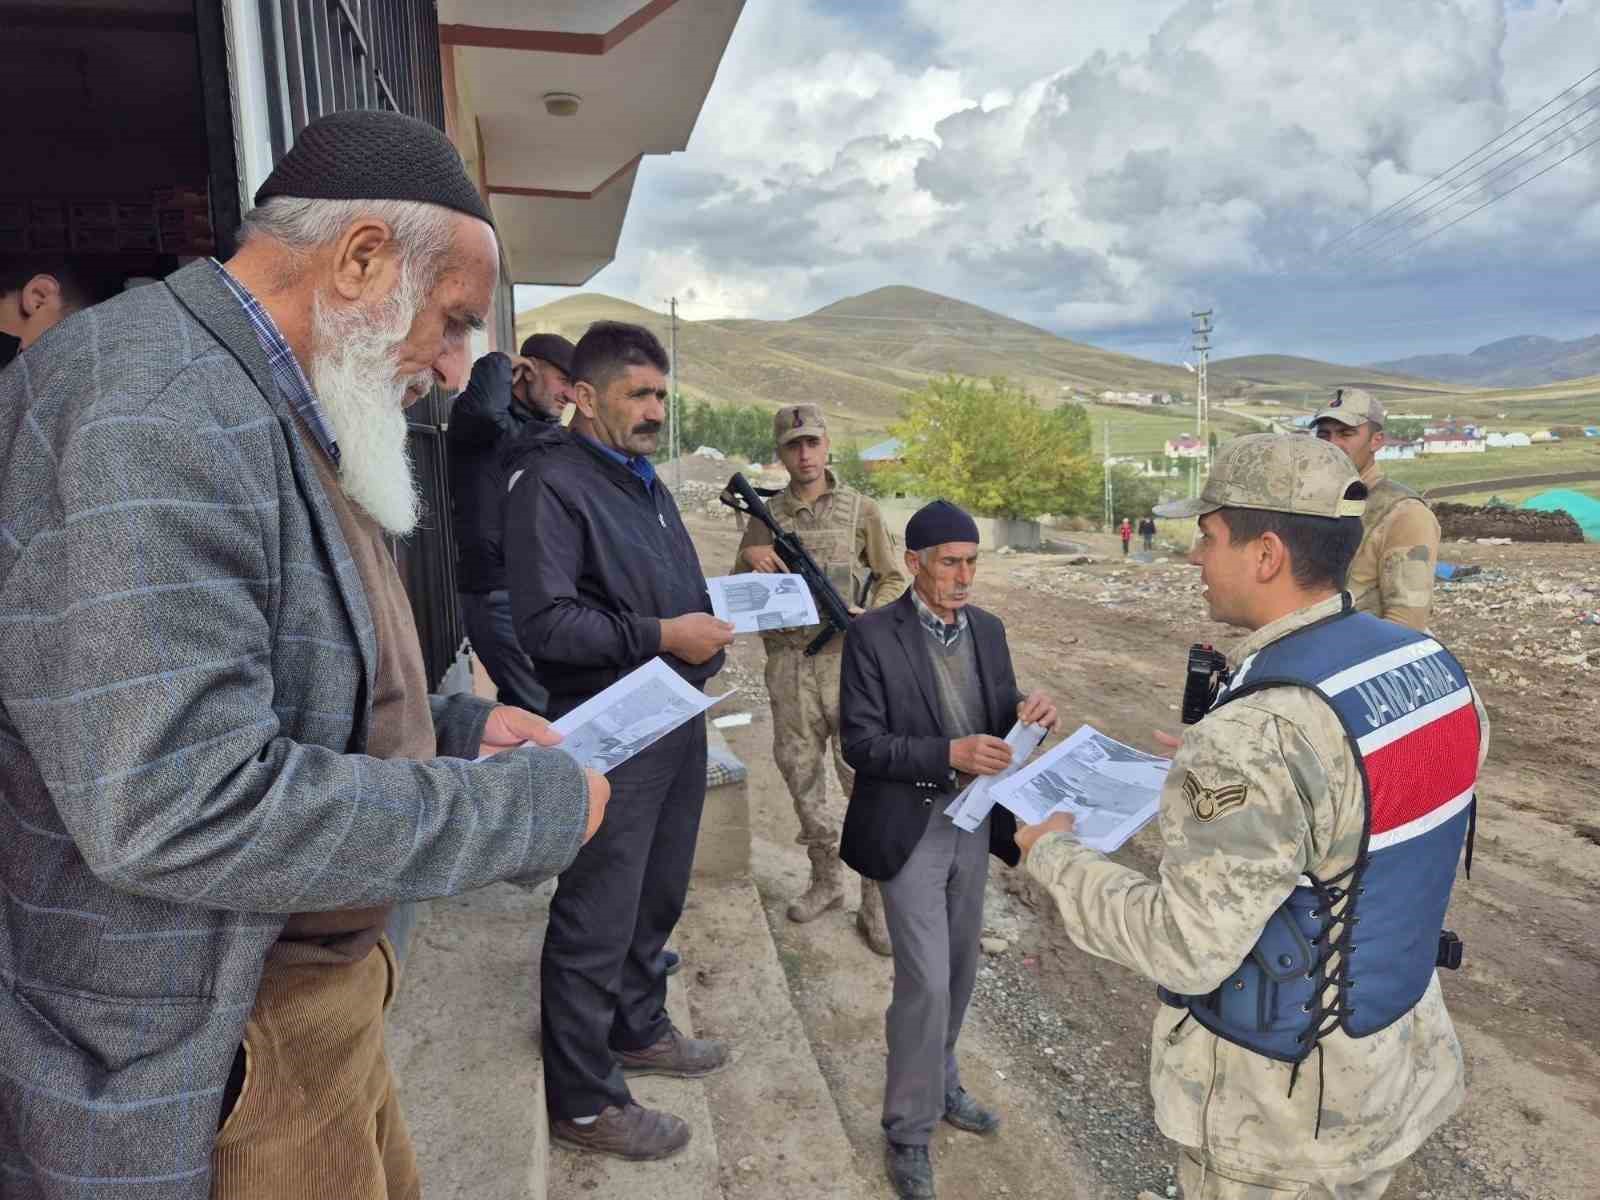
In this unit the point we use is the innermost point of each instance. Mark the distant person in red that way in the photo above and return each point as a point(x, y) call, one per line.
point(1125, 531)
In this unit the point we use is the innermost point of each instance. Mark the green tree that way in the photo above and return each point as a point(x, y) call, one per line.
point(994, 451)
point(1133, 495)
point(853, 472)
point(1404, 429)
point(742, 430)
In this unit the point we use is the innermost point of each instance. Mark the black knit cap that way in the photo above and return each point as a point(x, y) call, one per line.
point(552, 348)
point(365, 154)
point(937, 523)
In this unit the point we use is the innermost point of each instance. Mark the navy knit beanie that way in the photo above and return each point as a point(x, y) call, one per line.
point(366, 154)
point(937, 523)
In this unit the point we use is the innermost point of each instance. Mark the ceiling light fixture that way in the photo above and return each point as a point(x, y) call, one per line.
point(562, 104)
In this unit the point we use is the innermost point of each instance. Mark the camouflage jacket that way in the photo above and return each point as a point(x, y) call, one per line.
point(1392, 575)
point(1293, 804)
point(844, 531)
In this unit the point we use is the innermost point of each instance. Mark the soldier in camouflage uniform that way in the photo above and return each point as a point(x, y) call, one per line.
point(844, 532)
point(1392, 574)
point(1263, 791)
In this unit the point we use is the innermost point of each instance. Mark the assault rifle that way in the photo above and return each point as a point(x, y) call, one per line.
point(835, 613)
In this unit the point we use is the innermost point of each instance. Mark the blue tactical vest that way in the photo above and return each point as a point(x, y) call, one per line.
point(1407, 710)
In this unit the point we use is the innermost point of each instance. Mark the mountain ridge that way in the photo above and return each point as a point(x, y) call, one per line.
point(1523, 360)
point(862, 355)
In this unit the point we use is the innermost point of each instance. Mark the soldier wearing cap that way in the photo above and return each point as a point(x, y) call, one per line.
point(844, 531)
point(1392, 574)
point(1311, 827)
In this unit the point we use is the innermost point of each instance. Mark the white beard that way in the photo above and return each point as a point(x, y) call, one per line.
point(353, 375)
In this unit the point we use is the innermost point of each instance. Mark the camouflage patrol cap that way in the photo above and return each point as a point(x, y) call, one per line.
point(797, 421)
point(1351, 406)
point(1279, 472)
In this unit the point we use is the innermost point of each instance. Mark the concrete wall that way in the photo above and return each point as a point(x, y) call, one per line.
point(993, 532)
point(723, 849)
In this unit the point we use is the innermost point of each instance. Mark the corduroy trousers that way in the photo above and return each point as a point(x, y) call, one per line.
point(317, 1116)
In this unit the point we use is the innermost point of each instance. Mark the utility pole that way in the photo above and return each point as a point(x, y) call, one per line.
point(1202, 347)
point(673, 447)
point(1110, 487)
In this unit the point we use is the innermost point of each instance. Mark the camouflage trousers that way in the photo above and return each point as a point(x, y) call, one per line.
point(1212, 1181)
point(805, 719)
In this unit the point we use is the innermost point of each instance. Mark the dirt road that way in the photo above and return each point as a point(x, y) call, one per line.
point(1060, 1038)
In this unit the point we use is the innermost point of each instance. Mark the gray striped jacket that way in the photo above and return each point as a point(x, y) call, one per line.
point(186, 664)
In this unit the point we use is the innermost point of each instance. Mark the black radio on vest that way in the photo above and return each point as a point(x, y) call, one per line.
point(1208, 671)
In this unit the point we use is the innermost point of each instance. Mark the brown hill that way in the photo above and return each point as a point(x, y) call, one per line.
point(860, 356)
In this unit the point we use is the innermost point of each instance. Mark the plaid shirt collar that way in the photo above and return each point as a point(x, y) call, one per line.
point(292, 383)
point(945, 635)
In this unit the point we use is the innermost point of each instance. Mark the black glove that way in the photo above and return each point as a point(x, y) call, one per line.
point(489, 388)
point(481, 414)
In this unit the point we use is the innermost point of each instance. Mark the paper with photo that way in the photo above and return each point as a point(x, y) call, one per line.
point(756, 602)
point(973, 802)
point(631, 715)
point(1111, 790)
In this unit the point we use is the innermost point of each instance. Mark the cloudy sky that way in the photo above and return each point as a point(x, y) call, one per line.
point(1103, 170)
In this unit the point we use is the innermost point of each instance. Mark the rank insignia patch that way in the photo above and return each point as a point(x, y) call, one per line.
point(1208, 804)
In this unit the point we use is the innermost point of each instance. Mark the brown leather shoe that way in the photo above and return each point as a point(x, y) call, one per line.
point(676, 1055)
point(635, 1133)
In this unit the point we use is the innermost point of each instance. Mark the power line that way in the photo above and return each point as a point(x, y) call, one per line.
point(1426, 186)
point(1489, 164)
point(1501, 196)
point(1515, 162)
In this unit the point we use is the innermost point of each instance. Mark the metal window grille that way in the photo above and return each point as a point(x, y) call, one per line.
point(327, 56)
point(333, 55)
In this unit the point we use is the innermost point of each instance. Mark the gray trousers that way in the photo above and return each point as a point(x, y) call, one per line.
point(934, 909)
point(487, 618)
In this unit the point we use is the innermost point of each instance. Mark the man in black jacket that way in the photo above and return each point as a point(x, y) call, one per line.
point(504, 396)
point(604, 577)
point(927, 694)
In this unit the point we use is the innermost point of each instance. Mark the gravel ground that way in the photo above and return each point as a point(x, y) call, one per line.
point(1101, 1104)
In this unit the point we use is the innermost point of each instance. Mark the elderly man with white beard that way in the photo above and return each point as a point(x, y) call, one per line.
point(219, 762)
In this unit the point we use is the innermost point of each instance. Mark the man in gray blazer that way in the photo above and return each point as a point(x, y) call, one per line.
point(218, 762)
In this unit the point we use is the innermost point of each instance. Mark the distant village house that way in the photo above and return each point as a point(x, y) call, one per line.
point(1452, 443)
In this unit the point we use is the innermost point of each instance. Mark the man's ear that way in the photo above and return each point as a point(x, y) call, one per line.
point(40, 293)
point(585, 397)
point(1378, 440)
point(1272, 557)
point(913, 562)
point(362, 258)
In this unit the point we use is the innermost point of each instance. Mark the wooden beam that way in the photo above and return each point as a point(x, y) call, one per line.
point(551, 41)
point(559, 194)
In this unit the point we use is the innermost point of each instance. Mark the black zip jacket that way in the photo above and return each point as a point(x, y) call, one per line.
point(483, 421)
point(594, 560)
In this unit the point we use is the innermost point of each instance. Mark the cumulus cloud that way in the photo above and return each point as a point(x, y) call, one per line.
point(1103, 176)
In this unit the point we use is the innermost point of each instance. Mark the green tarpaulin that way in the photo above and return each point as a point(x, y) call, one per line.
point(1585, 510)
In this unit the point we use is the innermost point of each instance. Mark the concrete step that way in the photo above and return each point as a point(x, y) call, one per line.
point(689, 1175)
point(778, 1131)
point(462, 1037)
point(463, 1040)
